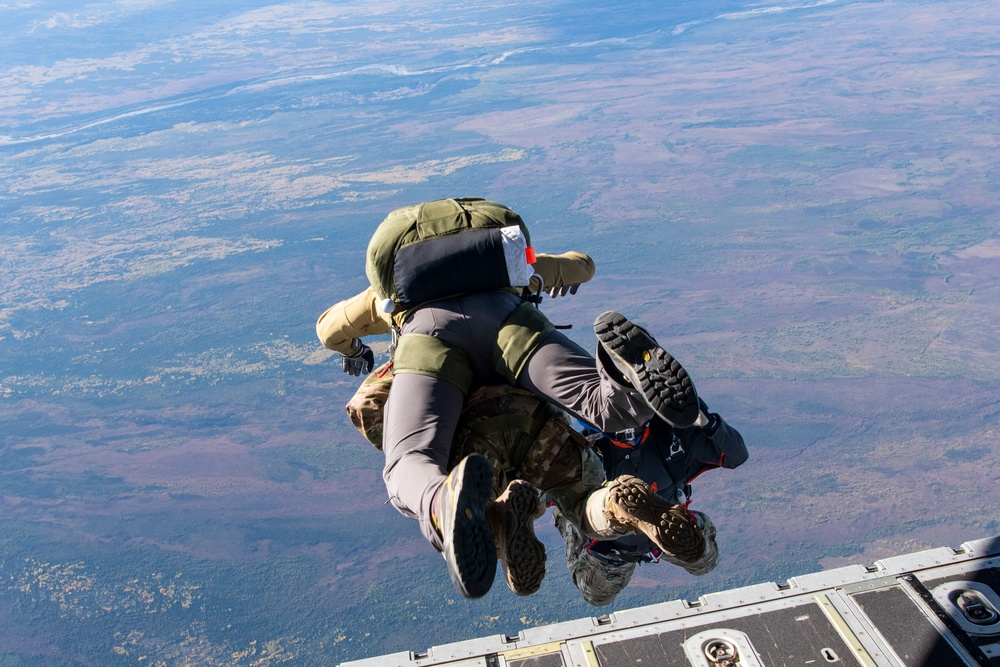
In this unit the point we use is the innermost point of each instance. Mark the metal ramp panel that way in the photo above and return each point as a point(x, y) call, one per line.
point(936, 608)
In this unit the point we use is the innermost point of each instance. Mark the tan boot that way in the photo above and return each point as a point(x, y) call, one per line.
point(710, 555)
point(632, 505)
point(512, 520)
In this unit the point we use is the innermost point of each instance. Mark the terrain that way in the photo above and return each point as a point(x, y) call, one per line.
point(800, 201)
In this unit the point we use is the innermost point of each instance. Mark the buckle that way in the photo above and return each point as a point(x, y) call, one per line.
point(606, 559)
point(628, 435)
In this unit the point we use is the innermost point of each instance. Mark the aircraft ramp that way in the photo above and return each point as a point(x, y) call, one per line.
point(937, 608)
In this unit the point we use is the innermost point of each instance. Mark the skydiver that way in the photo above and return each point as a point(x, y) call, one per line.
point(528, 440)
point(448, 345)
point(668, 459)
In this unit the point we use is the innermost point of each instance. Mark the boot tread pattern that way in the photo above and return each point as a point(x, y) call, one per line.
point(671, 527)
point(523, 555)
point(661, 378)
point(468, 541)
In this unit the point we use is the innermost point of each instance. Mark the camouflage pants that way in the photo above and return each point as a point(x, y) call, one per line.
point(599, 582)
point(521, 435)
point(524, 437)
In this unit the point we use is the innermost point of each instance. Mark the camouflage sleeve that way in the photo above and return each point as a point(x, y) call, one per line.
point(569, 268)
point(351, 319)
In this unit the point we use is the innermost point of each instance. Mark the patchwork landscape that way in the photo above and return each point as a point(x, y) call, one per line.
point(799, 201)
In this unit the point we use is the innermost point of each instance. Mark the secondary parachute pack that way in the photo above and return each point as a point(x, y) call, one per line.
point(445, 248)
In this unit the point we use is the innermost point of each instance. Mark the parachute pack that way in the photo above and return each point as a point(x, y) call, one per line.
point(444, 248)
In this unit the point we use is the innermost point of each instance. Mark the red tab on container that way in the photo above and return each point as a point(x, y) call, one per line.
point(529, 254)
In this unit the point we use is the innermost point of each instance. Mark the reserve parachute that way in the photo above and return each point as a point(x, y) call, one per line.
point(445, 248)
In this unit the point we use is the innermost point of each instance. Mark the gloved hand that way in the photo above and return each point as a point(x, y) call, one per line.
point(361, 361)
point(564, 290)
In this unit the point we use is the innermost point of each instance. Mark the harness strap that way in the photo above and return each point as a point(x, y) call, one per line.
point(624, 558)
point(527, 428)
point(526, 439)
point(523, 423)
point(488, 427)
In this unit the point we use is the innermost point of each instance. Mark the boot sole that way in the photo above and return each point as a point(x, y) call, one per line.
point(524, 554)
point(671, 527)
point(469, 547)
point(661, 378)
point(709, 559)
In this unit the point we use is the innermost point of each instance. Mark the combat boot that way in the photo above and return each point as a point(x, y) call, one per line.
point(648, 367)
point(631, 505)
point(460, 518)
point(710, 554)
point(512, 519)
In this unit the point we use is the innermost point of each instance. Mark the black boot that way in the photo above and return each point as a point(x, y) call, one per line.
point(460, 518)
point(649, 368)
